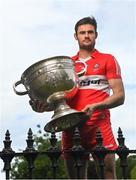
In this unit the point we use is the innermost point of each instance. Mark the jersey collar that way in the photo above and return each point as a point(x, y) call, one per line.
point(93, 55)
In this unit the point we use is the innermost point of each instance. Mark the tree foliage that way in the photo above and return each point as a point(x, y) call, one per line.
point(131, 167)
point(133, 173)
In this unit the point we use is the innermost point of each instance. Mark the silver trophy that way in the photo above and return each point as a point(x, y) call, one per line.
point(53, 81)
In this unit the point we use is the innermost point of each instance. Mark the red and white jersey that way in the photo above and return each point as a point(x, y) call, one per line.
point(93, 85)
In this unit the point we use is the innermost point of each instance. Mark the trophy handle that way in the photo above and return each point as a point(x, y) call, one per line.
point(83, 70)
point(17, 92)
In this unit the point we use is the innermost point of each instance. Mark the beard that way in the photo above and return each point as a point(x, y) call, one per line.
point(89, 47)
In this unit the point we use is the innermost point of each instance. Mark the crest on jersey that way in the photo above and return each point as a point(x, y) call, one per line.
point(96, 66)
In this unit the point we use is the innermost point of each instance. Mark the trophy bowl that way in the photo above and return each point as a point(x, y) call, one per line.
point(53, 81)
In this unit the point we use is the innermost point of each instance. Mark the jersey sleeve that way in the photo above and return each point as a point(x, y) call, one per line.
point(113, 70)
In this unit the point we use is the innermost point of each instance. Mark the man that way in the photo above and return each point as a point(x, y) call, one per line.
point(102, 73)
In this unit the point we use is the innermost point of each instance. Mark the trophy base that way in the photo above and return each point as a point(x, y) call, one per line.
point(66, 121)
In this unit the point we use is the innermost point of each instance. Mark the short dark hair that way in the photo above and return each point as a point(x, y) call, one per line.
point(86, 20)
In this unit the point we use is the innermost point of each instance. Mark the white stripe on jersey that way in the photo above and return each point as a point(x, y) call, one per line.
point(96, 82)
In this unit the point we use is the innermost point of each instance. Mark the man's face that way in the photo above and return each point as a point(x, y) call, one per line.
point(86, 36)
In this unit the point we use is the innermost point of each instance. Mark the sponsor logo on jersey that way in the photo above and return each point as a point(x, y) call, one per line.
point(86, 81)
point(96, 82)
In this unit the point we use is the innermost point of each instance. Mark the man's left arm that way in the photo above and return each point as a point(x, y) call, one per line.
point(116, 99)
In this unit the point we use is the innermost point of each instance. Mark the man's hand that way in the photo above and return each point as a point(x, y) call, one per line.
point(39, 106)
point(89, 109)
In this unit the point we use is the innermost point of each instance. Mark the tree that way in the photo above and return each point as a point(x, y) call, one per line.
point(133, 173)
point(131, 161)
